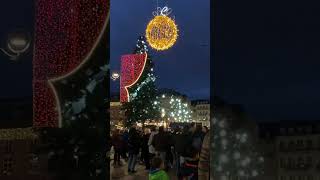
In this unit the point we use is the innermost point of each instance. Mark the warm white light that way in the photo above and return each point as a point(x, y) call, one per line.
point(115, 76)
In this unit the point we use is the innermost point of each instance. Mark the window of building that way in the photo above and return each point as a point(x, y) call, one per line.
point(291, 130)
point(32, 145)
point(309, 161)
point(282, 145)
point(282, 163)
point(291, 163)
point(291, 145)
point(301, 163)
point(300, 144)
point(8, 147)
point(309, 129)
point(7, 166)
point(282, 178)
point(34, 163)
point(282, 131)
point(309, 177)
point(309, 144)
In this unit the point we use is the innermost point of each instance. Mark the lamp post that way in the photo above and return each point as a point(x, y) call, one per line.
point(115, 76)
point(17, 44)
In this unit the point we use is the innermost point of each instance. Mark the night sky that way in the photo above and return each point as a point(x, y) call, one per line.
point(266, 53)
point(267, 58)
point(16, 77)
point(186, 66)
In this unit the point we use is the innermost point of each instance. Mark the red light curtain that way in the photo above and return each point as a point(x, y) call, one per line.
point(65, 33)
point(131, 67)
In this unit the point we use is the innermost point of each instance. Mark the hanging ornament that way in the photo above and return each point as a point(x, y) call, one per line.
point(161, 32)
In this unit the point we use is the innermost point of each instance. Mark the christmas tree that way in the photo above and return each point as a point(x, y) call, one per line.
point(143, 104)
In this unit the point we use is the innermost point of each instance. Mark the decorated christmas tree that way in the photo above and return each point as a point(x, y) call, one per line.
point(143, 104)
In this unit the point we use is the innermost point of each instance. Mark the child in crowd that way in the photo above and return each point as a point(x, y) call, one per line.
point(157, 172)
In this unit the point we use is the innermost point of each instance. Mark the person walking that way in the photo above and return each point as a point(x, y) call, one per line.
point(152, 150)
point(169, 154)
point(134, 147)
point(160, 143)
point(204, 161)
point(198, 137)
point(182, 143)
point(145, 148)
point(117, 144)
point(124, 151)
point(190, 155)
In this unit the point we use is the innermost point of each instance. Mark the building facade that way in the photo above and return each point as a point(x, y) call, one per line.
point(117, 116)
point(201, 112)
point(18, 158)
point(293, 150)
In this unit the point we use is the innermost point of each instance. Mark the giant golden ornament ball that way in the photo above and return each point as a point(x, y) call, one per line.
point(161, 32)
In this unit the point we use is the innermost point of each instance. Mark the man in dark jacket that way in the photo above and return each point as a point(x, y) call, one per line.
point(117, 144)
point(160, 142)
point(134, 147)
point(145, 148)
point(124, 150)
point(181, 143)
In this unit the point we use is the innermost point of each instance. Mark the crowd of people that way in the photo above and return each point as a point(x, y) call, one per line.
point(183, 150)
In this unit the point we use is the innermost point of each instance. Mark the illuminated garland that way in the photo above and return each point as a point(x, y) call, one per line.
point(161, 32)
point(17, 134)
point(66, 32)
point(75, 107)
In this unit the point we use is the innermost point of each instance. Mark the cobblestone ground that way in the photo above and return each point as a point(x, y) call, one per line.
point(121, 172)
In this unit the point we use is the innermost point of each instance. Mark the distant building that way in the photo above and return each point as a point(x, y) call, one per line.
point(292, 150)
point(18, 141)
point(201, 112)
point(117, 116)
point(17, 155)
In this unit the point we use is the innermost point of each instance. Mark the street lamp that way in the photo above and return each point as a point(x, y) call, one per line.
point(17, 43)
point(115, 76)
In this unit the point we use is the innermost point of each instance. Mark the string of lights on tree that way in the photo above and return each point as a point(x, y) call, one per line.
point(235, 156)
point(76, 107)
point(175, 109)
point(65, 33)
